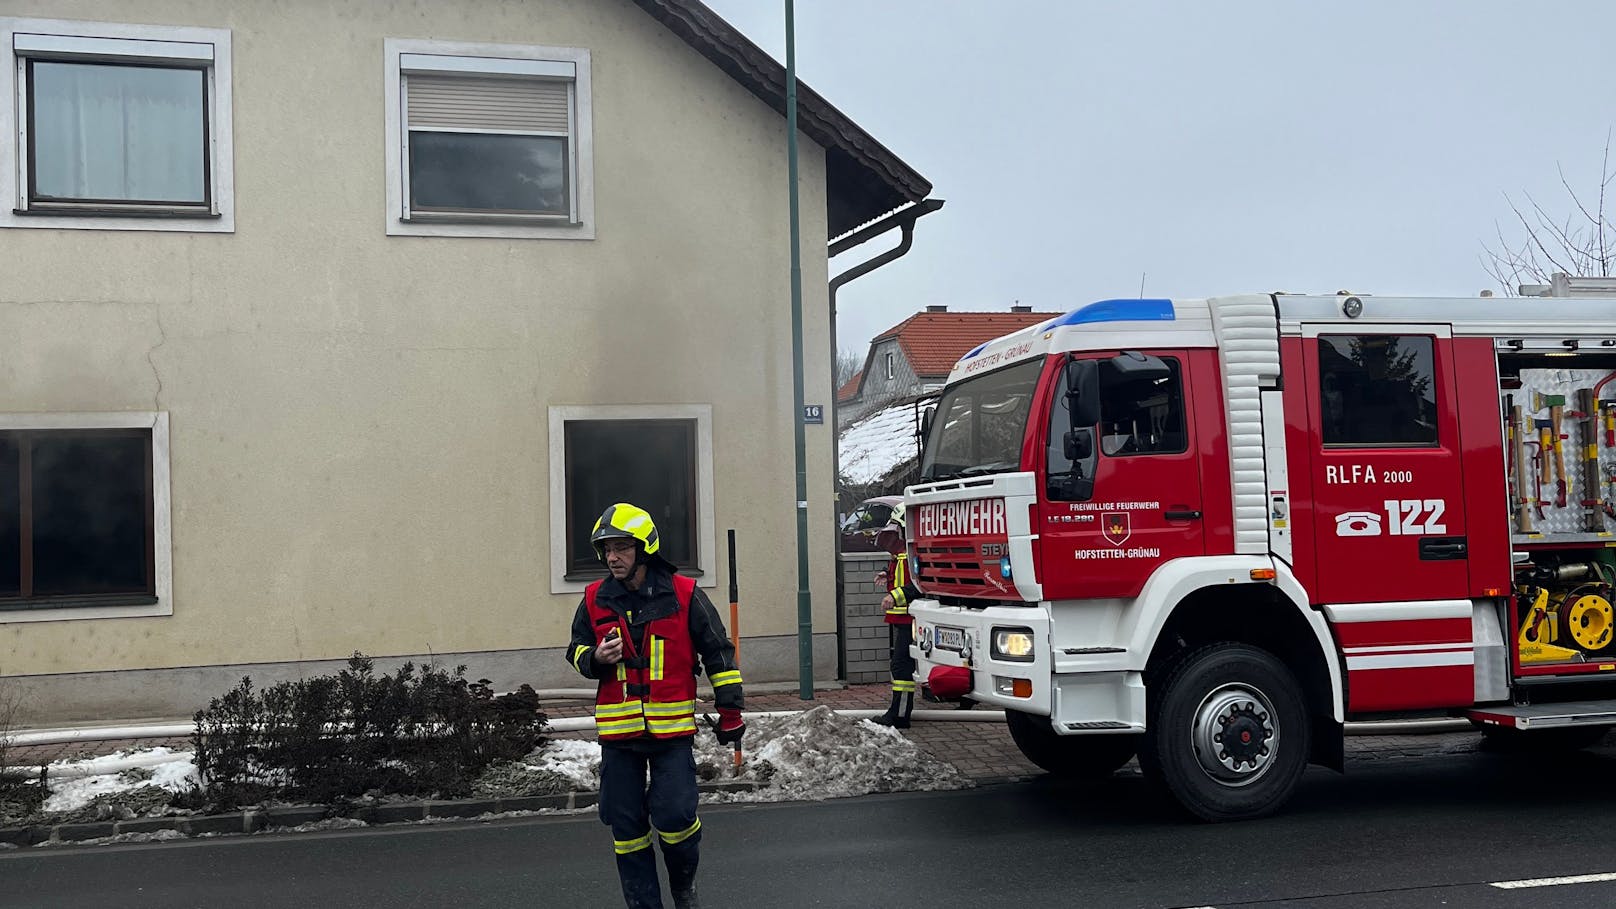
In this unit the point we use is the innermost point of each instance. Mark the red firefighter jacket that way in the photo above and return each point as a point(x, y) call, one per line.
point(903, 590)
point(670, 630)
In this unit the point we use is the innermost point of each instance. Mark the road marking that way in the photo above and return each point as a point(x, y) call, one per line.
point(1554, 881)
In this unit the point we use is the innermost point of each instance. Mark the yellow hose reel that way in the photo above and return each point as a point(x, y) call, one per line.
point(1587, 623)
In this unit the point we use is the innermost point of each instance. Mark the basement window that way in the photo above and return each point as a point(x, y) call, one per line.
point(657, 457)
point(84, 516)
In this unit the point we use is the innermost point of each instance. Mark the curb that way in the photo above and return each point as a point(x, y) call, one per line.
point(255, 820)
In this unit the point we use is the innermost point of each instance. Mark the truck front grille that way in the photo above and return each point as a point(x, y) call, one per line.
point(951, 570)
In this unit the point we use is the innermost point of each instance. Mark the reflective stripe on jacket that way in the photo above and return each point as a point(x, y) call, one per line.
point(903, 589)
point(653, 693)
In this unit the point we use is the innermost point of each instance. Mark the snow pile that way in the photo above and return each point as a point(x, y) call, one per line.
point(76, 784)
point(876, 445)
point(571, 759)
point(820, 754)
point(561, 765)
point(814, 755)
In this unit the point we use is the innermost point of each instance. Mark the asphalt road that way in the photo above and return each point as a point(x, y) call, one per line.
point(1435, 831)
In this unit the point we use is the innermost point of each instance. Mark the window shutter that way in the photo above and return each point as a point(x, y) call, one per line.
point(482, 103)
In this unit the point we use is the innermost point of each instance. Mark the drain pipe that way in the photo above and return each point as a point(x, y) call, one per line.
point(905, 220)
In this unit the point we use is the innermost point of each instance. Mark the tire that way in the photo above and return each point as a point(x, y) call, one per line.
point(1200, 698)
point(1507, 740)
point(1072, 757)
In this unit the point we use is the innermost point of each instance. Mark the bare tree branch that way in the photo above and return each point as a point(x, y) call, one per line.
point(1583, 243)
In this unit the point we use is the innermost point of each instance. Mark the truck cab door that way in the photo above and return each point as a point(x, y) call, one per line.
point(1387, 478)
point(1145, 504)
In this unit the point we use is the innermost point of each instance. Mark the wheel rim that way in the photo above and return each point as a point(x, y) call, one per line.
point(1236, 734)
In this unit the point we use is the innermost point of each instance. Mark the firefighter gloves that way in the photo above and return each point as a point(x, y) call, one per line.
point(730, 726)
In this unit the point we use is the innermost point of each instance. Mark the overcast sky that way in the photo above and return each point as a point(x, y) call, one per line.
point(1210, 147)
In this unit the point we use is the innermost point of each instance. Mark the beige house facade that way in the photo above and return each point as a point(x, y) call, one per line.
point(331, 325)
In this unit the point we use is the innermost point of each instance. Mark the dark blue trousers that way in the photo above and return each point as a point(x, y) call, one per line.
point(648, 792)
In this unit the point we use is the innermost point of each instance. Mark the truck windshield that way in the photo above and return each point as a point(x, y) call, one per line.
point(980, 424)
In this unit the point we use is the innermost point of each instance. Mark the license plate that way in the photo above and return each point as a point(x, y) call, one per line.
point(950, 638)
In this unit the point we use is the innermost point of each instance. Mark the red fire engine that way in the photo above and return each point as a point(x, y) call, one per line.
point(1210, 532)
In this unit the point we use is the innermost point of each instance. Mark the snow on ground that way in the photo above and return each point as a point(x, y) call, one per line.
point(817, 754)
point(578, 762)
point(71, 791)
point(873, 447)
point(820, 754)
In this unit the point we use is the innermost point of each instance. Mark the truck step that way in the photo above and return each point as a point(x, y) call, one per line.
point(1548, 716)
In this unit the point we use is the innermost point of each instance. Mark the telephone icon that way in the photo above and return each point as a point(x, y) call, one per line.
point(1357, 524)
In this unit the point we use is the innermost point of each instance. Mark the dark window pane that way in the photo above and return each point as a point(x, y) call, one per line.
point(10, 520)
point(650, 463)
point(117, 133)
point(90, 513)
point(980, 422)
point(1377, 390)
point(477, 172)
point(1141, 417)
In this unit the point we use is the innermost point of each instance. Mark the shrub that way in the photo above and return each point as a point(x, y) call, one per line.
point(21, 792)
point(420, 731)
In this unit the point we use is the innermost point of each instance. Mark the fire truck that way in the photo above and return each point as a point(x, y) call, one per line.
point(1211, 532)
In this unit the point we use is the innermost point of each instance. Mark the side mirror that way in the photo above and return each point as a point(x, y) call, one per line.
point(1083, 392)
point(1133, 366)
point(1079, 445)
point(926, 417)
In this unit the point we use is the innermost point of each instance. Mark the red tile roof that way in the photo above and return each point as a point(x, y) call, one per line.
point(850, 389)
point(933, 342)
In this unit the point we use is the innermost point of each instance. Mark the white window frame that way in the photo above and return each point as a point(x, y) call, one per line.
point(706, 536)
point(90, 41)
point(492, 59)
point(892, 365)
point(162, 528)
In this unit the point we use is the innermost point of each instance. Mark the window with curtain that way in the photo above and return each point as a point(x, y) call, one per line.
point(114, 133)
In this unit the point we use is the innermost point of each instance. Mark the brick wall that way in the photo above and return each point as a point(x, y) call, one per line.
point(864, 640)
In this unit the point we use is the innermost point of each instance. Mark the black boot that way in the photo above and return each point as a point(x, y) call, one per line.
point(686, 899)
point(897, 716)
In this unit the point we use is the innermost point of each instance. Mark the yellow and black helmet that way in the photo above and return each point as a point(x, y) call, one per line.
point(625, 522)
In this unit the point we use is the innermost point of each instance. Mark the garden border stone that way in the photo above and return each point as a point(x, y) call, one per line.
point(249, 820)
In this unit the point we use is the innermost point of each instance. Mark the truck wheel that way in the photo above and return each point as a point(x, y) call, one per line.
point(1228, 732)
point(1074, 757)
point(1507, 740)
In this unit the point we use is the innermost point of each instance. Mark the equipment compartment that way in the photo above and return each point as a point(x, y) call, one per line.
point(1560, 445)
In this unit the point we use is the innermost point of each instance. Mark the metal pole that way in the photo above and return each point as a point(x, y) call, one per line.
point(805, 615)
point(734, 602)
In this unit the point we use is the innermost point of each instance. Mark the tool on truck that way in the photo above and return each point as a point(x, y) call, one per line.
point(1209, 532)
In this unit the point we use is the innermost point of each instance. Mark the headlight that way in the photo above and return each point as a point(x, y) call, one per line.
point(1013, 644)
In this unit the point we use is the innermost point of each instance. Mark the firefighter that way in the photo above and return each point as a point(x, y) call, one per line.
point(644, 632)
point(900, 627)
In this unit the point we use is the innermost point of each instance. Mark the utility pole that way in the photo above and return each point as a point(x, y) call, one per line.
point(805, 614)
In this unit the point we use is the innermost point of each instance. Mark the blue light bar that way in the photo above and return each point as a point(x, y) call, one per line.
point(1118, 311)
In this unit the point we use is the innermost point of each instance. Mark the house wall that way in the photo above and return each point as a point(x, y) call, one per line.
point(877, 389)
point(359, 443)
